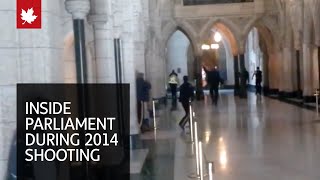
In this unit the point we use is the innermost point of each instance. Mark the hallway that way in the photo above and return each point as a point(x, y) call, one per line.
point(246, 139)
point(140, 43)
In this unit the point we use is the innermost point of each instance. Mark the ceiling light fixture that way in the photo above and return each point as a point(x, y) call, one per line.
point(215, 46)
point(217, 37)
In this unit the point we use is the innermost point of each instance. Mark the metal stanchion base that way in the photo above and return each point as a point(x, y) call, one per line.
point(195, 176)
point(189, 141)
point(155, 127)
point(190, 152)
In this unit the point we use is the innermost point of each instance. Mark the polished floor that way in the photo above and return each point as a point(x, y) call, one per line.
point(247, 139)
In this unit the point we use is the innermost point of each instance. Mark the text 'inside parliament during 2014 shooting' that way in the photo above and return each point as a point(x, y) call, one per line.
point(63, 132)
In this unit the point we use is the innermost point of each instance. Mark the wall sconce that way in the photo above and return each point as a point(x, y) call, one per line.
point(208, 47)
point(205, 47)
point(215, 46)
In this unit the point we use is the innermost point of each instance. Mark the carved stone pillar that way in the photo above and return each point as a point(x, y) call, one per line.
point(299, 93)
point(308, 90)
point(288, 78)
point(319, 66)
point(307, 72)
point(130, 28)
point(104, 48)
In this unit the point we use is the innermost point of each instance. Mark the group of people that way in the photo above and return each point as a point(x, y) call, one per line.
point(143, 88)
point(258, 75)
point(185, 97)
point(186, 93)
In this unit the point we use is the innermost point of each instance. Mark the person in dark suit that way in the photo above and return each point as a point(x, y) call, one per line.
point(186, 94)
point(258, 74)
point(214, 80)
point(143, 97)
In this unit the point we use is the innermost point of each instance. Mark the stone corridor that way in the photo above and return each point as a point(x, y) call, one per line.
point(257, 138)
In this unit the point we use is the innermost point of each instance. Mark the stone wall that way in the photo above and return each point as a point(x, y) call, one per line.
point(28, 56)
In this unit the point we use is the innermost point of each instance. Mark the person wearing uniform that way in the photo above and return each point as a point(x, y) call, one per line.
point(173, 83)
point(186, 94)
point(258, 75)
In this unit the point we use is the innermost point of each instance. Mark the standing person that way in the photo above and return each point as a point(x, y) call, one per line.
point(173, 83)
point(186, 94)
point(143, 97)
point(258, 75)
point(214, 80)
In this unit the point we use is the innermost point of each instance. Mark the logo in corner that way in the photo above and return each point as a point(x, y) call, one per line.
point(28, 14)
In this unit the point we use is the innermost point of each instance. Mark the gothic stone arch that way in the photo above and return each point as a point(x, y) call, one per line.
point(227, 28)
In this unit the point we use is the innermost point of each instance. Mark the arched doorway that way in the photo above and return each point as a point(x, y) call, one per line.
point(220, 56)
point(226, 55)
point(260, 52)
point(178, 55)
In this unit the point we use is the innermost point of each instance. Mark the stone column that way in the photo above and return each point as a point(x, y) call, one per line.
point(130, 28)
point(289, 63)
point(315, 65)
point(299, 93)
point(281, 84)
point(140, 37)
point(27, 56)
point(156, 69)
point(236, 75)
point(307, 72)
point(307, 56)
point(319, 66)
point(102, 22)
point(274, 78)
point(287, 71)
point(140, 46)
point(155, 62)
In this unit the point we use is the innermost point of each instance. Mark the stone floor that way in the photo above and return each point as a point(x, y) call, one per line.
point(252, 139)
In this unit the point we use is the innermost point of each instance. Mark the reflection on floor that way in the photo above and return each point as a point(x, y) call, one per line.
point(161, 145)
point(247, 139)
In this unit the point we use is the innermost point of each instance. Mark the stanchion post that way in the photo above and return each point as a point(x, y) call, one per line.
point(201, 161)
point(154, 114)
point(317, 104)
point(197, 147)
point(317, 101)
point(197, 174)
point(210, 170)
point(191, 121)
